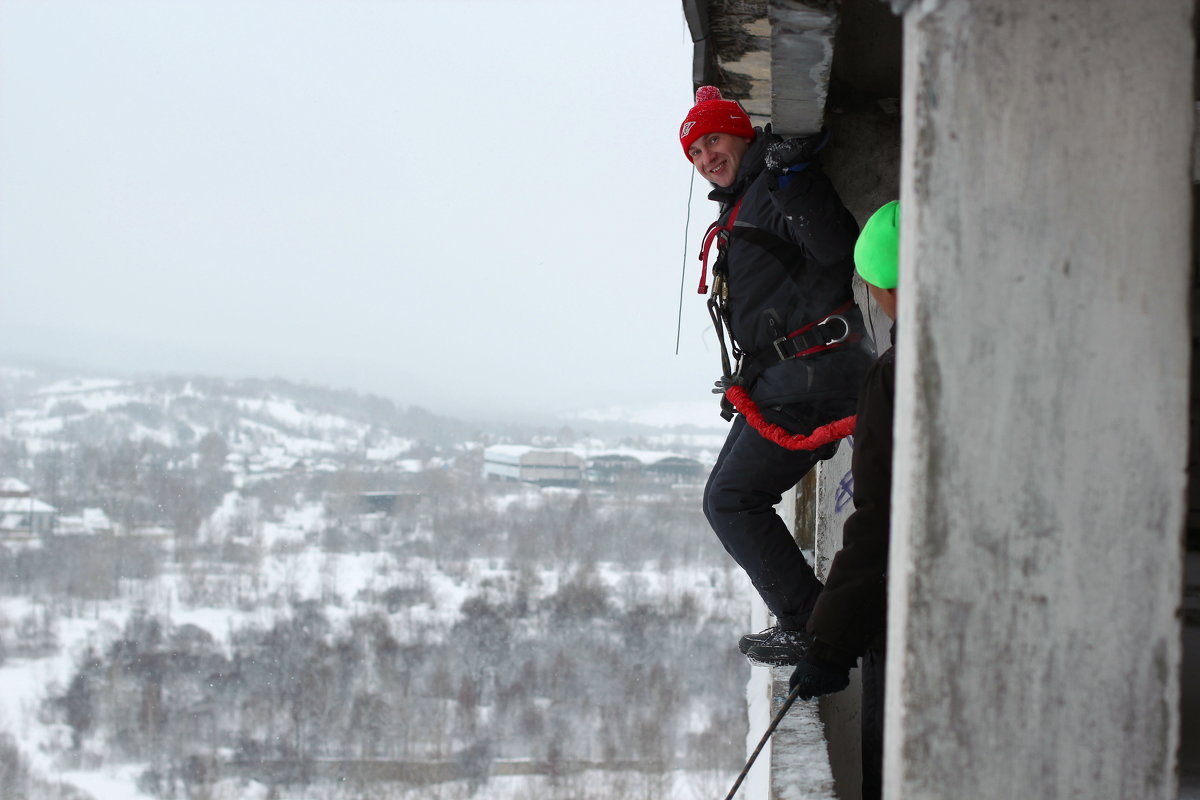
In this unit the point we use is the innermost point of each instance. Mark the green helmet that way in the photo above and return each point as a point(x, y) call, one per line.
point(877, 251)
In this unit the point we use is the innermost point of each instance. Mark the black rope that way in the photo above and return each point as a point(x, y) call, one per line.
point(683, 273)
point(791, 698)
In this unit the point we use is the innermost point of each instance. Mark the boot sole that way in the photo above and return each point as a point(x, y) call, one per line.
point(776, 661)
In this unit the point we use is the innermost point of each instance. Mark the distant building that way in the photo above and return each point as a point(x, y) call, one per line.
point(11, 487)
point(536, 465)
point(617, 466)
point(89, 522)
point(22, 516)
point(610, 468)
point(676, 469)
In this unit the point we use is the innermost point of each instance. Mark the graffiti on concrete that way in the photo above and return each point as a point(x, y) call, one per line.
point(845, 491)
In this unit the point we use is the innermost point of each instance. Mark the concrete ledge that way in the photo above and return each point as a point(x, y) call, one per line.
point(800, 767)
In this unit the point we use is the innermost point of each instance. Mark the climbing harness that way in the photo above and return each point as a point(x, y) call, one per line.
point(829, 332)
point(791, 698)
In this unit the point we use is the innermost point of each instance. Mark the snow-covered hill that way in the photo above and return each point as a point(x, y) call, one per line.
point(278, 423)
point(266, 426)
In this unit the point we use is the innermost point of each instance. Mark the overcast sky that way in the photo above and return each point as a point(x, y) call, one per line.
point(475, 206)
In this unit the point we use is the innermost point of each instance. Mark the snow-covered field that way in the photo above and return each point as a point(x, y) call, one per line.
point(336, 579)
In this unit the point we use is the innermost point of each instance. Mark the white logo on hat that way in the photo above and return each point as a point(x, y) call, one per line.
point(687, 126)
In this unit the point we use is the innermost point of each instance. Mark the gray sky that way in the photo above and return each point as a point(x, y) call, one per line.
point(471, 206)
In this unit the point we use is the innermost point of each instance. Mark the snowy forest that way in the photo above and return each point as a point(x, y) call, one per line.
point(257, 590)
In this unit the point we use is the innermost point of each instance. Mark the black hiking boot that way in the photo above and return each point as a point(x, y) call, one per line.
point(780, 649)
point(751, 639)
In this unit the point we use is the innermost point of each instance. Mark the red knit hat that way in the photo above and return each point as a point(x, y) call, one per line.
point(713, 114)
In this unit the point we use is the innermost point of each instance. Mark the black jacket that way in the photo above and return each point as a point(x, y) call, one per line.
point(788, 263)
point(850, 614)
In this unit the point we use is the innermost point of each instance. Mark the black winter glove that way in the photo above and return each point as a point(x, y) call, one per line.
point(816, 679)
point(784, 155)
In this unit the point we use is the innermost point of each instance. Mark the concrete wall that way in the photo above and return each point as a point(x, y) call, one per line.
point(1042, 400)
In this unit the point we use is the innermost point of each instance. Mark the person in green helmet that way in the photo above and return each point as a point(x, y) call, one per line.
point(850, 615)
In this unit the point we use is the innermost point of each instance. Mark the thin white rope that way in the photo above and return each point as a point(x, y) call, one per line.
point(683, 272)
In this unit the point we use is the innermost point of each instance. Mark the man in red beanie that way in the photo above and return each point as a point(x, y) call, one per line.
point(782, 294)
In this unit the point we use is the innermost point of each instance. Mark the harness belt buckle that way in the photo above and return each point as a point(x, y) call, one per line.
point(815, 336)
point(778, 345)
point(845, 323)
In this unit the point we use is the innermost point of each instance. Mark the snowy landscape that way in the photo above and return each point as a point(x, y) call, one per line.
point(256, 589)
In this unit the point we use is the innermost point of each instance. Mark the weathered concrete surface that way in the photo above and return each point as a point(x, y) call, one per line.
point(833, 503)
point(863, 159)
point(773, 56)
point(1041, 400)
point(802, 36)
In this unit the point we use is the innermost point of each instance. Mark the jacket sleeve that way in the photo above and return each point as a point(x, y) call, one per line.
point(816, 216)
point(852, 608)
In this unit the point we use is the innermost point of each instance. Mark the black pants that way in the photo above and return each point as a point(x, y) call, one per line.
point(873, 676)
point(749, 478)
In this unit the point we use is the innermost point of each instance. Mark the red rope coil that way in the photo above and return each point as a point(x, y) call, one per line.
point(838, 429)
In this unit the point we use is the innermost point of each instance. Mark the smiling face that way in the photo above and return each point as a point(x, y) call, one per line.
point(717, 156)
